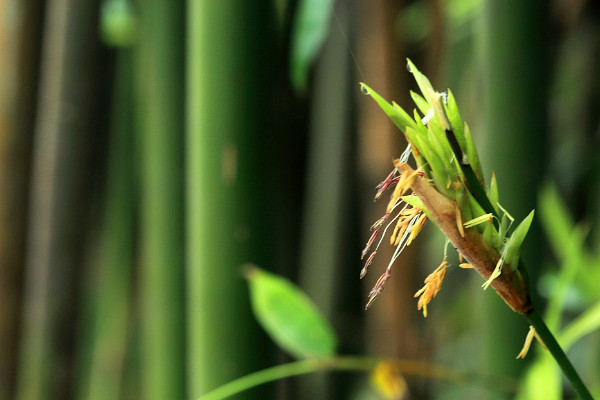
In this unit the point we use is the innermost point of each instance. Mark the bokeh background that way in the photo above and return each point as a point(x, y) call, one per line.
point(149, 148)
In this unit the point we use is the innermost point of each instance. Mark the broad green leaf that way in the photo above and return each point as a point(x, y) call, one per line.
point(289, 317)
point(516, 239)
point(310, 27)
point(398, 116)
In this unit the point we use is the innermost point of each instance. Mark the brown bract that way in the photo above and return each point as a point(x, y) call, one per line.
point(483, 258)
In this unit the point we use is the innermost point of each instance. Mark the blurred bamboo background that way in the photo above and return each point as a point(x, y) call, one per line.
point(150, 148)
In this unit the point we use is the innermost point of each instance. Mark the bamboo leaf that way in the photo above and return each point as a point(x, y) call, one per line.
point(289, 316)
point(456, 121)
point(493, 193)
point(421, 103)
point(398, 116)
point(422, 81)
point(472, 155)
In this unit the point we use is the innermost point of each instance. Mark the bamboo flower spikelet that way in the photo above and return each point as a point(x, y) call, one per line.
point(446, 186)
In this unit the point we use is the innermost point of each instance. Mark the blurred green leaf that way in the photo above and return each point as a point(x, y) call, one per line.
point(555, 219)
point(311, 25)
point(289, 316)
point(118, 23)
point(586, 323)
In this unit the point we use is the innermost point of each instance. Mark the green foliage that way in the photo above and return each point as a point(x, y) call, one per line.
point(289, 316)
point(311, 25)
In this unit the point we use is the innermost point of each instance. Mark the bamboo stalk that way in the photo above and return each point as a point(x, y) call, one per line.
point(229, 87)
point(160, 95)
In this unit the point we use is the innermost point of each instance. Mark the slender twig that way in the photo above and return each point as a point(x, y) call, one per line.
point(356, 363)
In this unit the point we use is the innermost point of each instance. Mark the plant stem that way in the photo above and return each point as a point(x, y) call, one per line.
point(559, 355)
point(353, 363)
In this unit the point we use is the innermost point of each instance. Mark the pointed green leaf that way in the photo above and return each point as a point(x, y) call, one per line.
point(421, 103)
point(472, 155)
point(493, 193)
point(516, 239)
point(398, 116)
point(289, 317)
point(456, 121)
point(422, 81)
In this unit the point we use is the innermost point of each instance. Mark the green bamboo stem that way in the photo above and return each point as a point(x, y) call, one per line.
point(228, 95)
point(354, 363)
point(160, 95)
point(559, 355)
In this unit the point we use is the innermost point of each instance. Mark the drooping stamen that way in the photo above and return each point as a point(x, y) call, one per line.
point(378, 288)
point(379, 222)
point(363, 271)
point(390, 180)
point(369, 243)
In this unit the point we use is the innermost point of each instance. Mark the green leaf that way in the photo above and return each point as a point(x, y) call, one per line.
point(310, 28)
point(493, 193)
point(414, 201)
point(472, 155)
point(555, 219)
point(586, 323)
point(456, 121)
point(421, 103)
point(398, 116)
point(516, 239)
point(289, 317)
point(422, 81)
